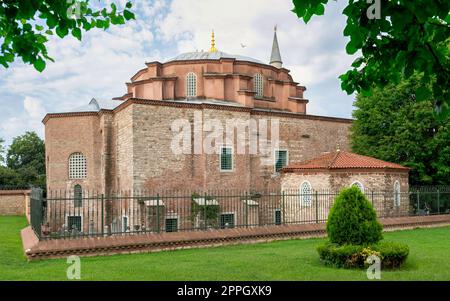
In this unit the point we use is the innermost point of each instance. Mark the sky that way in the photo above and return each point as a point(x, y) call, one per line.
point(101, 64)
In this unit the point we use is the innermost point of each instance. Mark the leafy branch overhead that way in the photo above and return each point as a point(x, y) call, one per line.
point(25, 26)
point(395, 39)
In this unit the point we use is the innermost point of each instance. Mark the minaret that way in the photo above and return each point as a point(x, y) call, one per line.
point(213, 43)
point(275, 58)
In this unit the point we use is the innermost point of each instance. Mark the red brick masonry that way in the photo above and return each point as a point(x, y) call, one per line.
point(152, 242)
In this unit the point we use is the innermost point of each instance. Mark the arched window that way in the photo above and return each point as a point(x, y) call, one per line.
point(77, 166)
point(306, 193)
point(258, 83)
point(359, 185)
point(78, 196)
point(397, 194)
point(191, 85)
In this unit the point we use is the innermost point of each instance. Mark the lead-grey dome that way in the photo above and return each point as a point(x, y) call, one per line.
point(203, 55)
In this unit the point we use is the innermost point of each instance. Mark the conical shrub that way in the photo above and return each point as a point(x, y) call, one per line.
point(352, 220)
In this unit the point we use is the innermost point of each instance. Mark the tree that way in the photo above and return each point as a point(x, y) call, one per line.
point(392, 125)
point(2, 150)
point(26, 156)
point(25, 26)
point(352, 220)
point(396, 39)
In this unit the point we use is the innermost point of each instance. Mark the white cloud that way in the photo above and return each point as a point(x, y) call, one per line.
point(315, 53)
point(33, 107)
point(100, 65)
point(29, 119)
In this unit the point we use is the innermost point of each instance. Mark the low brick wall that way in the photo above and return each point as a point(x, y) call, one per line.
point(153, 242)
point(15, 202)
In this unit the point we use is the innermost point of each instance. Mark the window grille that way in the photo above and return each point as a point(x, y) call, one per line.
point(77, 166)
point(191, 85)
point(226, 159)
point(258, 82)
point(227, 221)
point(306, 193)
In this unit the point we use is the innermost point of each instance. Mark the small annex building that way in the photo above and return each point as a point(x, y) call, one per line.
point(385, 184)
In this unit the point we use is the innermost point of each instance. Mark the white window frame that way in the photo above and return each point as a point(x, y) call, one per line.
point(75, 163)
point(172, 217)
point(306, 200)
point(191, 85)
point(232, 159)
point(258, 82)
point(358, 184)
point(228, 213)
point(275, 158)
point(397, 202)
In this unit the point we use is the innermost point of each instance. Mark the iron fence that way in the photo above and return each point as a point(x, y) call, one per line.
point(65, 214)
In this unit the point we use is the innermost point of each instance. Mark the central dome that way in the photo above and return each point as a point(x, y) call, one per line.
point(203, 55)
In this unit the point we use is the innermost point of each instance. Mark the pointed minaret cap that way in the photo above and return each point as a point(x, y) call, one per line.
point(275, 58)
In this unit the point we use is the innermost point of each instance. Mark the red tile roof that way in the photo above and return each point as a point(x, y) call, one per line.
point(343, 160)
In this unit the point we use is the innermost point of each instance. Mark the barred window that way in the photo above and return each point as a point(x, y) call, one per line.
point(359, 185)
point(171, 224)
point(191, 85)
point(258, 82)
point(74, 222)
point(278, 217)
point(77, 166)
point(397, 194)
point(306, 193)
point(78, 196)
point(281, 159)
point(227, 221)
point(226, 159)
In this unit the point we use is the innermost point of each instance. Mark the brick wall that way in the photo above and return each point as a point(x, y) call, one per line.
point(14, 202)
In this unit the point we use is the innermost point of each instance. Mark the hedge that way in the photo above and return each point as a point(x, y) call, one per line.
point(392, 254)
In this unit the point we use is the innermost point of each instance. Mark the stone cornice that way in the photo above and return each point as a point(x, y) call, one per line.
point(252, 111)
point(298, 99)
point(68, 114)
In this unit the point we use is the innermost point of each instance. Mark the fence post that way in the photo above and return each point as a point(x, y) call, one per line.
point(283, 208)
point(205, 211)
point(246, 209)
point(157, 214)
point(438, 203)
point(317, 207)
point(103, 213)
point(418, 201)
point(372, 197)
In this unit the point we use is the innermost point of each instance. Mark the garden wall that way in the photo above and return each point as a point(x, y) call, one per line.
point(15, 202)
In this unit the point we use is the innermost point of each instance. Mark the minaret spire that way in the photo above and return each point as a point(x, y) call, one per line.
point(213, 43)
point(275, 58)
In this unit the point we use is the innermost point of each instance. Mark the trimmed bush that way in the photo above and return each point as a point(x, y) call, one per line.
point(352, 220)
point(391, 254)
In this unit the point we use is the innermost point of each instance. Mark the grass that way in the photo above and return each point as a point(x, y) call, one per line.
point(429, 259)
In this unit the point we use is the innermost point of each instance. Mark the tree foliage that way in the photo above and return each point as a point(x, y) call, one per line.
point(352, 220)
point(2, 151)
point(392, 125)
point(25, 26)
point(405, 37)
point(25, 162)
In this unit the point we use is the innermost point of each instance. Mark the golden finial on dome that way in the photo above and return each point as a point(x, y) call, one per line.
point(213, 43)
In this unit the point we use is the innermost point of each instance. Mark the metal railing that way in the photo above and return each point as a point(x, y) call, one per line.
point(65, 214)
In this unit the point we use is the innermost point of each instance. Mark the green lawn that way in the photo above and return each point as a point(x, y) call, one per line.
point(284, 260)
